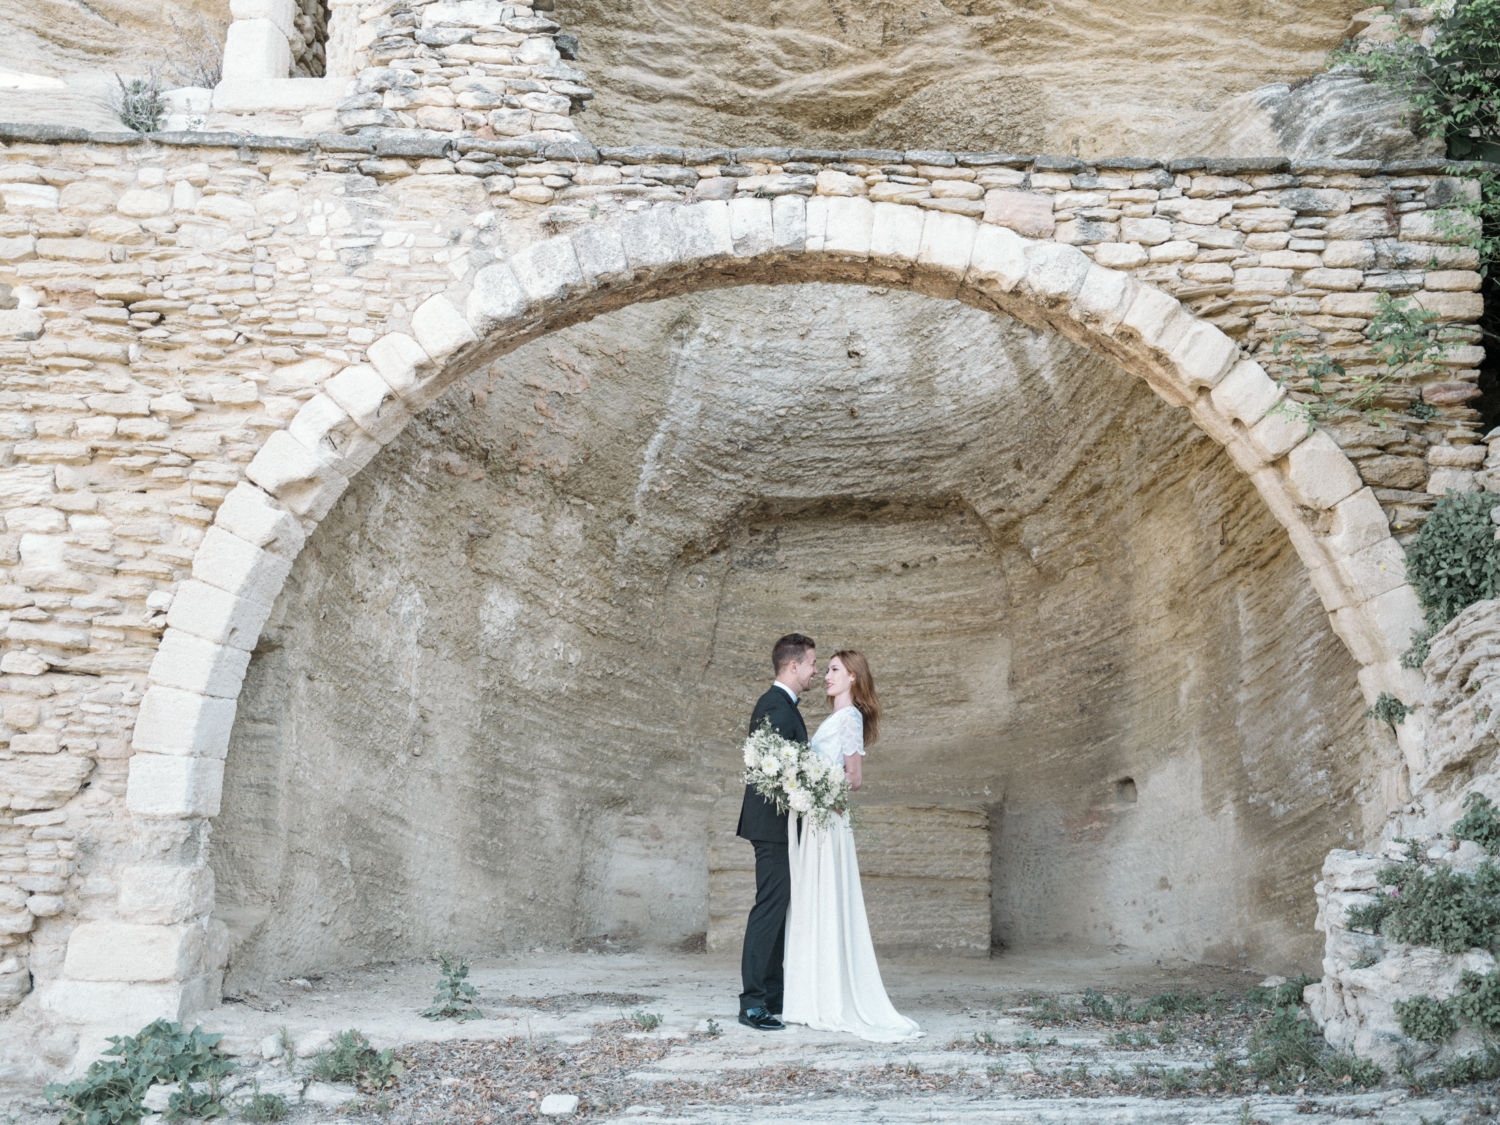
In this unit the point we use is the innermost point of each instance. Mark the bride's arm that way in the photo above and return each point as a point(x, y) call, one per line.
point(852, 743)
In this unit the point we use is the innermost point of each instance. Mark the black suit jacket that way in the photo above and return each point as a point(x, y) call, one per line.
point(759, 819)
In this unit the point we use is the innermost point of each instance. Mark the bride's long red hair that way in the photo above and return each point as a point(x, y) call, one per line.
point(863, 692)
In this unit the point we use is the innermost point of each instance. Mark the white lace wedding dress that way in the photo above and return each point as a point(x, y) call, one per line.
point(832, 980)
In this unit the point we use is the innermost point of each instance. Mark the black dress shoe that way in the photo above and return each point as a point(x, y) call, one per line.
point(762, 1020)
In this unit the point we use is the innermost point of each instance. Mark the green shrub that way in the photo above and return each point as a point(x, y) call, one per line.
point(139, 103)
point(352, 1060)
point(261, 1108)
point(1460, 1072)
point(1447, 909)
point(1389, 710)
point(1477, 1000)
point(1286, 994)
point(455, 996)
point(1284, 1050)
point(1424, 1018)
point(1454, 561)
point(111, 1091)
point(1481, 823)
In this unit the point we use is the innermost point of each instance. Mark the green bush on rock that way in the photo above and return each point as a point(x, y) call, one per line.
point(112, 1090)
point(1452, 562)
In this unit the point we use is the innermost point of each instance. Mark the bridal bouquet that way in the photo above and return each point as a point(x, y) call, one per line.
point(791, 776)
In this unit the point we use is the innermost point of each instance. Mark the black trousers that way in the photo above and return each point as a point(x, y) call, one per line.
point(765, 932)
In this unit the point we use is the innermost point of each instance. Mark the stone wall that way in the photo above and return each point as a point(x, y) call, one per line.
point(193, 316)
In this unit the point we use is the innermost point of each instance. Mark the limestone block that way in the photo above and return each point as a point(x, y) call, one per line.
point(1245, 393)
point(174, 788)
point(125, 951)
point(1105, 296)
point(173, 721)
point(1452, 306)
point(601, 257)
point(1439, 226)
point(1276, 435)
point(1358, 522)
point(1054, 272)
point(497, 302)
point(193, 664)
point(1148, 232)
point(160, 894)
point(1345, 280)
point(997, 262)
point(817, 223)
point(751, 227)
point(549, 271)
point(240, 567)
point(370, 401)
point(947, 244)
point(1395, 615)
point(256, 49)
point(1349, 254)
point(324, 427)
point(1443, 481)
point(896, 234)
point(283, 13)
point(398, 359)
point(848, 225)
point(43, 782)
point(440, 329)
point(119, 1004)
point(217, 615)
point(21, 324)
point(282, 462)
point(1352, 871)
point(790, 223)
point(486, 14)
point(1374, 569)
point(651, 241)
point(1204, 355)
point(1026, 213)
point(143, 204)
point(1318, 473)
point(247, 513)
point(1120, 255)
point(1157, 318)
point(703, 229)
point(17, 921)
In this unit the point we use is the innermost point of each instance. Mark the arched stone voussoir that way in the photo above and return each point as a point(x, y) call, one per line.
point(671, 250)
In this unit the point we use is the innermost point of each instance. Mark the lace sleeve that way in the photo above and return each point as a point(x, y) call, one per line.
point(852, 734)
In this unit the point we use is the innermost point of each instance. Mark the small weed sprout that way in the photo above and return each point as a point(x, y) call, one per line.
point(353, 1061)
point(455, 996)
point(714, 1030)
point(139, 104)
point(646, 1021)
point(260, 1108)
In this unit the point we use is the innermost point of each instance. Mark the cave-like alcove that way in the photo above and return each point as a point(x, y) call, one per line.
point(508, 677)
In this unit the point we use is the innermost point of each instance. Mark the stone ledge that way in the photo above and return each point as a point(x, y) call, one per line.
point(423, 143)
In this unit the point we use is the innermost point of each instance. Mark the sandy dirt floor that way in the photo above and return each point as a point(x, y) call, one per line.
point(571, 1023)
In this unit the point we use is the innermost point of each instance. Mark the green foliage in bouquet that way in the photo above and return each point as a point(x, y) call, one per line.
point(794, 778)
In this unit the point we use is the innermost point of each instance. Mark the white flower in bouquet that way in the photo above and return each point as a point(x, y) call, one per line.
point(751, 757)
point(801, 801)
point(770, 765)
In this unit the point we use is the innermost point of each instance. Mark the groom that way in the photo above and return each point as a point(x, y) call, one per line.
point(795, 661)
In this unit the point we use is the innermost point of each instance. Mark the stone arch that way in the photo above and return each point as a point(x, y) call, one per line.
point(181, 737)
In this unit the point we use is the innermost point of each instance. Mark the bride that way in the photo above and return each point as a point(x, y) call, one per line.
point(832, 981)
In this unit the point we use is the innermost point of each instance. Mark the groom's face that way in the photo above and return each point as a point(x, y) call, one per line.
point(804, 670)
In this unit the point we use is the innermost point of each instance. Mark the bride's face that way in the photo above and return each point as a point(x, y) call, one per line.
point(838, 680)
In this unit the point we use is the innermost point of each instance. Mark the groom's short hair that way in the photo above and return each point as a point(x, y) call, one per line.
point(790, 648)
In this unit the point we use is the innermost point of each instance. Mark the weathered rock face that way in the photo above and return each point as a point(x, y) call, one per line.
point(1338, 116)
point(507, 680)
point(1064, 77)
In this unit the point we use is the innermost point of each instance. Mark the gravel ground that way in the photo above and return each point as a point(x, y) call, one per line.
point(1005, 1043)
